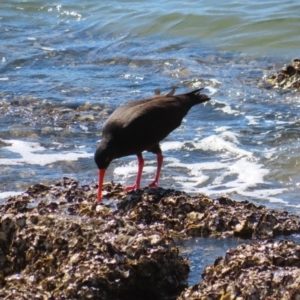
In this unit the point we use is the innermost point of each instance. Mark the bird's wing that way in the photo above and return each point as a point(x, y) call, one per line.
point(145, 124)
point(142, 124)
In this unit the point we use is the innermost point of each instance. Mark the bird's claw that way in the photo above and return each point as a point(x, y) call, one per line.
point(129, 188)
point(153, 185)
point(134, 187)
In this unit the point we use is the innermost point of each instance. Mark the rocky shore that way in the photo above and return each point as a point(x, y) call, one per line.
point(56, 242)
point(288, 77)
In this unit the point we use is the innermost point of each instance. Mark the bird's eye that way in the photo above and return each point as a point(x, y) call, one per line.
point(107, 159)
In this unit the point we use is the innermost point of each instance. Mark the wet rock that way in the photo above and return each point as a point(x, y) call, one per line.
point(174, 211)
point(87, 254)
point(48, 118)
point(264, 270)
point(286, 78)
point(202, 216)
point(56, 242)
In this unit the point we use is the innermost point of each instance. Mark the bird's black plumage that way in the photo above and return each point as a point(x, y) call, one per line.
point(140, 125)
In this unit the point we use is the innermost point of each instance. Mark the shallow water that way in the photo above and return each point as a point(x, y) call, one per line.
point(202, 252)
point(65, 67)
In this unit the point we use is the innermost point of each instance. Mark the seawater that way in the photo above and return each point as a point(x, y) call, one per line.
point(65, 66)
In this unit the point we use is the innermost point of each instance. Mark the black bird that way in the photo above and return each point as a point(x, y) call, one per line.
point(139, 126)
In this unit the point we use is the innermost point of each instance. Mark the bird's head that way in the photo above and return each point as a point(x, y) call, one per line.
point(103, 156)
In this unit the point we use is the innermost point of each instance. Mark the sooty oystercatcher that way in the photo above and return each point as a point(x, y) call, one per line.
point(139, 126)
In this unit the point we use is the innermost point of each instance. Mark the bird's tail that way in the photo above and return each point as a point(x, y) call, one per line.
point(196, 97)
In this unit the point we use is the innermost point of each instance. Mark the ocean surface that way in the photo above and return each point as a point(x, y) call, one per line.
point(65, 66)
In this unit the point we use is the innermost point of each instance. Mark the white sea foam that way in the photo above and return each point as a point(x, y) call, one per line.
point(128, 173)
point(265, 194)
point(252, 120)
point(34, 154)
point(212, 178)
point(166, 146)
point(191, 182)
point(226, 141)
point(228, 110)
point(5, 195)
point(222, 128)
point(131, 169)
point(270, 152)
point(235, 171)
point(211, 89)
point(246, 173)
point(234, 177)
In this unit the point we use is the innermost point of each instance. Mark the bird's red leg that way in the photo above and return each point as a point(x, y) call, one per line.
point(100, 184)
point(137, 183)
point(154, 184)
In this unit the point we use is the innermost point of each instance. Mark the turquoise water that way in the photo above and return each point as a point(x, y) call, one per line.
point(65, 66)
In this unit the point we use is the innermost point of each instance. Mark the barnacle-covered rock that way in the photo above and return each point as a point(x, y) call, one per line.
point(202, 216)
point(73, 250)
point(287, 77)
point(264, 270)
point(56, 242)
point(174, 211)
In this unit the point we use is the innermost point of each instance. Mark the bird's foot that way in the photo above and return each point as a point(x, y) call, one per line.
point(129, 188)
point(153, 185)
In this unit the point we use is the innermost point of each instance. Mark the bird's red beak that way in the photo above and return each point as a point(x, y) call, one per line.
point(100, 184)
